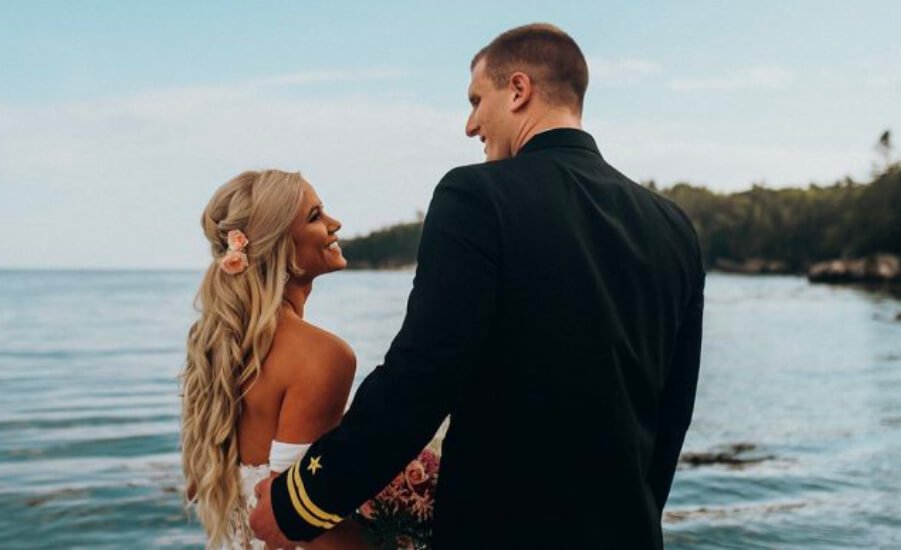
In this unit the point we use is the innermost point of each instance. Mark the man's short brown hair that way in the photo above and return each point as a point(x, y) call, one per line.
point(548, 55)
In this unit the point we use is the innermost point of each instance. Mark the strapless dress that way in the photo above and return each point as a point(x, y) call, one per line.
point(281, 457)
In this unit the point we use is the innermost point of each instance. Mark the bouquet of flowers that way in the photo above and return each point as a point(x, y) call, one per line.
point(401, 515)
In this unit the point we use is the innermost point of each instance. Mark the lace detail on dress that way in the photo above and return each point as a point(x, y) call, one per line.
point(281, 456)
point(239, 535)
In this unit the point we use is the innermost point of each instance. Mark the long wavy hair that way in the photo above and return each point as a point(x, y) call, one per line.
point(228, 343)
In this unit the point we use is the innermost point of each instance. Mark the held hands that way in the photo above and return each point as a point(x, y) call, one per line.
point(262, 519)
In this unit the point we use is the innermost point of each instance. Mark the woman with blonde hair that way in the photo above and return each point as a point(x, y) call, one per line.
point(260, 383)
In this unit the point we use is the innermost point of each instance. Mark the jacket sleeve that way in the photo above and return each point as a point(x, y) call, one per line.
point(401, 404)
point(678, 397)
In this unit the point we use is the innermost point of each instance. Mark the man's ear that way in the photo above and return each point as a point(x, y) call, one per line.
point(521, 91)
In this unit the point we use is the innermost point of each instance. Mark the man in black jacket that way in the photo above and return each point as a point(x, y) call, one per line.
point(555, 316)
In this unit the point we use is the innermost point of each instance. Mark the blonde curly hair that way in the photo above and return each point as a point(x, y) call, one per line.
point(227, 345)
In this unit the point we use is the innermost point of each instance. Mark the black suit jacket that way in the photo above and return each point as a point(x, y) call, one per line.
point(556, 317)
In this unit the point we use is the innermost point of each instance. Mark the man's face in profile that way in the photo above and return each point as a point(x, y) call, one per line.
point(490, 118)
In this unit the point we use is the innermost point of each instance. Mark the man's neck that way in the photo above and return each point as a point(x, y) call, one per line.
point(552, 119)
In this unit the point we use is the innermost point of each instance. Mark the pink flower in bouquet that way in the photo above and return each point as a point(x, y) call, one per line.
point(233, 262)
point(393, 498)
point(430, 460)
point(398, 483)
point(402, 512)
point(367, 510)
point(237, 240)
point(396, 491)
point(415, 474)
point(422, 507)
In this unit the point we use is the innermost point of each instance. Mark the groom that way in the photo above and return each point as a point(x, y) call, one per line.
point(555, 316)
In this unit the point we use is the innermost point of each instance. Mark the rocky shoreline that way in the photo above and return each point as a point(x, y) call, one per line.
point(754, 266)
point(878, 268)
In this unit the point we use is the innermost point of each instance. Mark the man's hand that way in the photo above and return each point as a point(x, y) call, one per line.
point(262, 519)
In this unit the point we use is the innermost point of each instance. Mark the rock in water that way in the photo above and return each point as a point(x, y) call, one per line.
point(735, 455)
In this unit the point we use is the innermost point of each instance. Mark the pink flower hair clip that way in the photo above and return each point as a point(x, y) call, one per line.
point(235, 260)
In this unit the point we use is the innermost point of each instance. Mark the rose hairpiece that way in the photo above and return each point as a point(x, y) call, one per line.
point(235, 260)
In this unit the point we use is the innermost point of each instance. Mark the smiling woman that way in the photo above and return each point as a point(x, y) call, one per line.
point(314, 236)
point(260, 383)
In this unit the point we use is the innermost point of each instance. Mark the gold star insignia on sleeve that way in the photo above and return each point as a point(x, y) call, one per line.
point(314, 464)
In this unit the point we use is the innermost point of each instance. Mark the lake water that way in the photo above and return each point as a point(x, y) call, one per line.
point(808, 377)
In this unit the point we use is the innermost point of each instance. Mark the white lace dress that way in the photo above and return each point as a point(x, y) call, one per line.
point(281, 457)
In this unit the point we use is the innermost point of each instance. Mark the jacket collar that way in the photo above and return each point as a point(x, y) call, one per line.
point(560, 137)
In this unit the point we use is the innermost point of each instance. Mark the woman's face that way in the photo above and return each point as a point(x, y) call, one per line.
point(316, 249)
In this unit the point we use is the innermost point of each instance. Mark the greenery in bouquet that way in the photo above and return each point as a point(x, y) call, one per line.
point(401, 515)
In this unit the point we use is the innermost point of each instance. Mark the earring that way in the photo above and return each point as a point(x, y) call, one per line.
point(287, 275)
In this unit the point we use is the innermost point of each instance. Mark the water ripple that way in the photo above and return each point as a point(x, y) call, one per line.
point(806, 375)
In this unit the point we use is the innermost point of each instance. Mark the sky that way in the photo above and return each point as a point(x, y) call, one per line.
point(118, 120)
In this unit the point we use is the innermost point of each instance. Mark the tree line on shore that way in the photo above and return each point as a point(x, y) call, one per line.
point(388, 248)
point(796, 227)
point(789, 228)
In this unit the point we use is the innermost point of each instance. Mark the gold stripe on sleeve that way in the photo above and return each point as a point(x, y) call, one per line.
point(299, 508)
point(325, 516)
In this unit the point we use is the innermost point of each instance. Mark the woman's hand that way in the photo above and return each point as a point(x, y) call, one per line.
point(262, 518)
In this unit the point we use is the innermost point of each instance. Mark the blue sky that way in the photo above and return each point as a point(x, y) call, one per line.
point(119, 119)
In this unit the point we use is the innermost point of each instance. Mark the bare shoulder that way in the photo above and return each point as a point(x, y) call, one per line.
point(313, 370)
point(306, 355)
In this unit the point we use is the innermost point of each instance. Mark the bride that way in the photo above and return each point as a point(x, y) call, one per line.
point(260, 383)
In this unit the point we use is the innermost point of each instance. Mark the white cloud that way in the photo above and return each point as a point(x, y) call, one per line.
point(889, 80)
point(671, 153)
point(121, 182)
point(605, 71)
point(315, 77)
point(129, 176)
point(769, 77)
